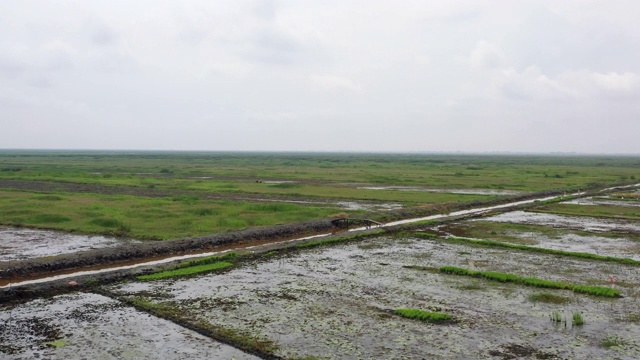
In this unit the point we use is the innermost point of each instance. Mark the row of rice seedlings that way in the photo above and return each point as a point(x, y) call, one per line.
point(529, 281)
point(411, 313)
point(186, 271)
point(494, 243)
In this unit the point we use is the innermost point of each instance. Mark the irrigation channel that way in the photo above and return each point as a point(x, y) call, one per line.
point(5, 284)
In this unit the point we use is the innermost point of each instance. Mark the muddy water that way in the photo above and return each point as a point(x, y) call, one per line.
point(603, 201)
point(22, 244)
point(336, 303)
point(449, 191)
point(90, 326)
point(563, 221)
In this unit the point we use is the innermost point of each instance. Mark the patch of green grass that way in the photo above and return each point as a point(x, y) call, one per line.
point(48, 219)
point(186, 271)
point(228, 257)
point(529, 281)
point(411, 313)
point(49, 198)
point(547, 297)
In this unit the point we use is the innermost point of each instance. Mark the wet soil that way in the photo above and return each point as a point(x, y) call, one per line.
point(337, 302)
point(604, 201)
point(584, 223)
point(90, 326)
point(450, 191)
point(22, 243)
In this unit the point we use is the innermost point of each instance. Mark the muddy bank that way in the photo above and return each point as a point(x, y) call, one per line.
point(16, 269)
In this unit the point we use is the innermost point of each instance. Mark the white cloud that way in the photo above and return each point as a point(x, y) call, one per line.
point(333, 82)
point(486, 56)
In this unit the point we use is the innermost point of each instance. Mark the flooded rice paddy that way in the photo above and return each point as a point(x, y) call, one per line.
point(604, 201)
point(23, 243)
point(338, 302)
point(565, 221)
point(90, 326)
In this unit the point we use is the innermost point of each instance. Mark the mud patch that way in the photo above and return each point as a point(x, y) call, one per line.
point(593, 201)
point(336, 303)
point(563, 221)
point(22, 243)
point(90, 326)
point(447, 191)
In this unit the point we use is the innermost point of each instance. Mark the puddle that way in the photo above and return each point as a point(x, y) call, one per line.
point(22, 244)
point(618, 247)
point(353, 205)
point(564, 221)
point(449, 191)
point(603, 201)
point(90, 326)
point(335, 303)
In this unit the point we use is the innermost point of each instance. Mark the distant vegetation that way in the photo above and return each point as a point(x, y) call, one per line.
point(168, 195)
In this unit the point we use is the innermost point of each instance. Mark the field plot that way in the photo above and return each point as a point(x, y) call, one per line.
point(90, 326)
point(339, 303)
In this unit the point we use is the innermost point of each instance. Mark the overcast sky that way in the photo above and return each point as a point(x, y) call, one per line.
point(400, 76)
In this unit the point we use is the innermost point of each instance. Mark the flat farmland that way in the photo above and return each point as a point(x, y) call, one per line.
point(551, 279)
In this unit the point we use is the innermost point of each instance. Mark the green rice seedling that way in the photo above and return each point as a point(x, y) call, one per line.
point(611, 341)
point(505, 277)
point(577, 319)
point(556, 317)
point(186, 271)
point(547, 297)
point(411, 313)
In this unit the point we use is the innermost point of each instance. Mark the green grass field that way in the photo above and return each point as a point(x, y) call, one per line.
point(256, 189)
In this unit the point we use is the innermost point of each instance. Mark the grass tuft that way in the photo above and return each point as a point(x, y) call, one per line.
point(578, 320)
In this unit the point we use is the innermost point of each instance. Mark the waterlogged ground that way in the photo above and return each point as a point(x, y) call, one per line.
point(336, 303)
point(90, 326)
point(450, 191)
point(593, 201)
point(565, 221)
point(22, 244)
